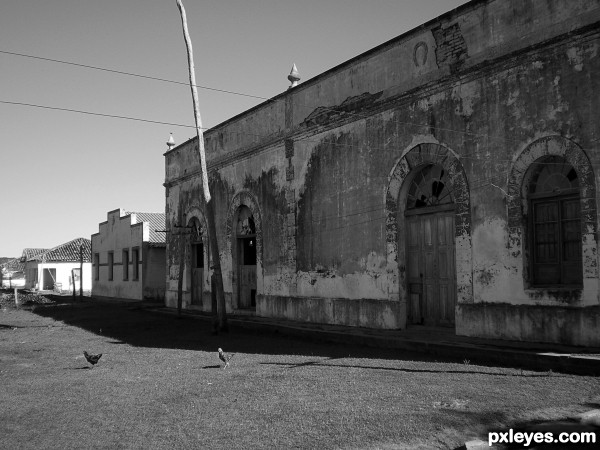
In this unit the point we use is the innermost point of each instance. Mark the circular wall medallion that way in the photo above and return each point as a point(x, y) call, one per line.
point(420, 54)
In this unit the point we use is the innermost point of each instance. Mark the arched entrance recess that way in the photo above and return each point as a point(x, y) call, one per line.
point(524, 188)
point(428, 233)
point(244, 239)
point(198, 258)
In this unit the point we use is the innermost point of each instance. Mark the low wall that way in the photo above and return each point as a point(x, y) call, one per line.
point(533, 323)
point(369, 313)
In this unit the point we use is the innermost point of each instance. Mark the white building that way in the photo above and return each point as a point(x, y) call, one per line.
point(129, 256)
point(13, 274)
point(59, 268)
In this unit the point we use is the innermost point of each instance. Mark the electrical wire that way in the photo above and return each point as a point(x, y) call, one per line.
point(95, 113)
point(323, 108)
point(131, 74)
point(317, 141)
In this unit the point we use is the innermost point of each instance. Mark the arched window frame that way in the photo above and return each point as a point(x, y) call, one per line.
point(518, 211)
point(554, 224)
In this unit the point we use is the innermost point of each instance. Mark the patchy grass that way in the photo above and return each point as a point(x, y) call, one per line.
point(159, 385)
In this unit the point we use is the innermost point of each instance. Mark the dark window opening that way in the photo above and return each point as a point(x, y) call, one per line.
point(199, 253)
point(125, 262)
point(249, 251)
point(110, 265)
point(135, 260)
point(96, 266)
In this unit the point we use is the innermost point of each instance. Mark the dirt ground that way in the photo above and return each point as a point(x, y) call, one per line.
point(159, 384)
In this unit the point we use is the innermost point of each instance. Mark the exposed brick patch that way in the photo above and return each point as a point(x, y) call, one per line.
point(289, 148)
point(289, 173)
point(352, 105)
point(451, 48)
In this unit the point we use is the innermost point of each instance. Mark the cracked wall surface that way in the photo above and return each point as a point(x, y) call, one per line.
point(324, 168)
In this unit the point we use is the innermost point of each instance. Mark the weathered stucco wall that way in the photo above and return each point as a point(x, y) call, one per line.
point(121, 232)
point(482, 91)
point(153, 260)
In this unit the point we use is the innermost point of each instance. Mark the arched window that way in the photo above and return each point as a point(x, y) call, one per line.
point(555, 223)
point(429, 187)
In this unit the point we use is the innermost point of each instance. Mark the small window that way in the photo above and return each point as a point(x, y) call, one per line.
point(135, 261)
point(111, 262)
point(96, 266)
point(125, 262)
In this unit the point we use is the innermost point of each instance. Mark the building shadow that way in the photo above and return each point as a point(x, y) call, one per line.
point(122, 323)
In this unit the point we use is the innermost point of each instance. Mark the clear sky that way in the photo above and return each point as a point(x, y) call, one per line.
point(61, 172)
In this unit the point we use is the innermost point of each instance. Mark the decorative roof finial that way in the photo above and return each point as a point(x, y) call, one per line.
point(171, 142)
point(294, 77)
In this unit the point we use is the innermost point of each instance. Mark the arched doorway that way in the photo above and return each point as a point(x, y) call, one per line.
point(406, 171)
point(245, 258)
point(197, 255)
point(430, 260)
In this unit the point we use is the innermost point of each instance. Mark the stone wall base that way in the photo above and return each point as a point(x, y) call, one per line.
point(368, 313)
point(530, 323)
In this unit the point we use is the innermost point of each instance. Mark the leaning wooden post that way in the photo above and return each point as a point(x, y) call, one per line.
point(80, 271)
point(210, 207)
point(73, 278)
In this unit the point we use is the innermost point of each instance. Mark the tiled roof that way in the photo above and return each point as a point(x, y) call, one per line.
point(67, 252)
point(156, 221)
point(13, 265)
point(29, 253)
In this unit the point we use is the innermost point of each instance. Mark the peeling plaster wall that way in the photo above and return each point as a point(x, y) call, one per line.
point(326, 167)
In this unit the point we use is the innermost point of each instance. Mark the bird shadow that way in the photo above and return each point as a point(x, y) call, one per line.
point(78, 368)
point(212, 367)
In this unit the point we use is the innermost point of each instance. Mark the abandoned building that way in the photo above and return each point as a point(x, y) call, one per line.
point(129, 256)
point(445, 178)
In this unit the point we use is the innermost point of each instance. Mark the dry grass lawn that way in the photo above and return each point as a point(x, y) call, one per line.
point(159, 385)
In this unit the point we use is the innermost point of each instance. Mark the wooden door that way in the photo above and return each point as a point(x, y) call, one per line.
point(49, 279)
point(430, 268)
point(247, 272)
point(197, 273)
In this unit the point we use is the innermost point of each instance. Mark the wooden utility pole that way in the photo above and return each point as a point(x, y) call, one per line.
point(73, 278)
point(209, 202)
point(80, 271)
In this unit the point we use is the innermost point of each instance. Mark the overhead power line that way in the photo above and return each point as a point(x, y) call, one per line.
point(131, 74)
point(96, 114)
point(137, 119)
point(323, 108)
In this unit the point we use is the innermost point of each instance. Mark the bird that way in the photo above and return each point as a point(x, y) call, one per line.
point(225, 358)
point(92, 359)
